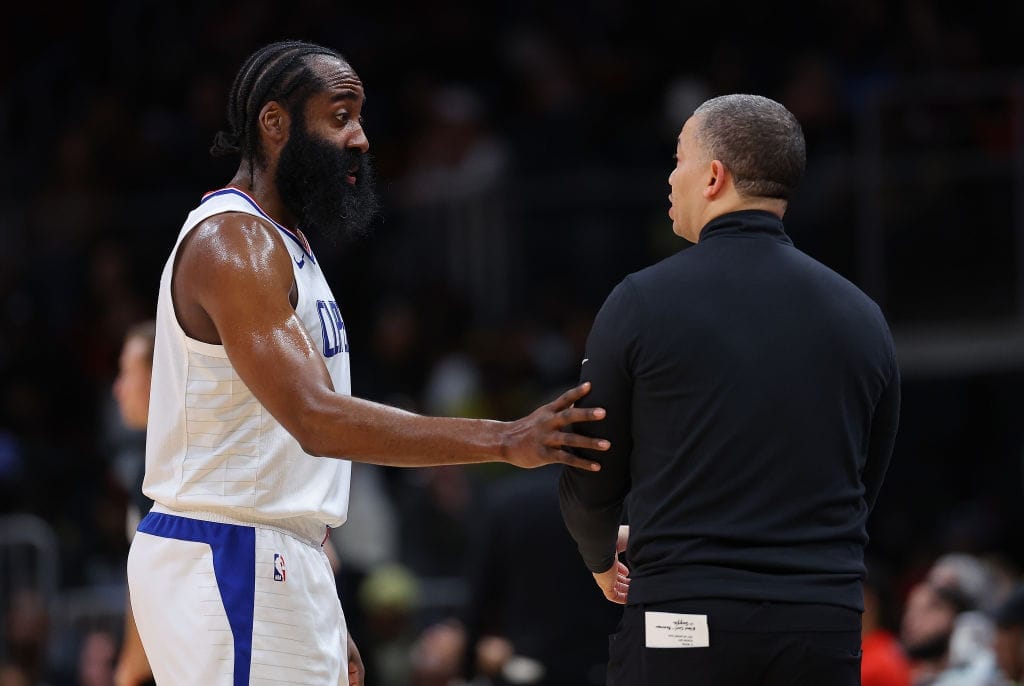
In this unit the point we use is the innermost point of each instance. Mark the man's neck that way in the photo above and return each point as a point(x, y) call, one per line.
point(737, 203)
point(260, 186)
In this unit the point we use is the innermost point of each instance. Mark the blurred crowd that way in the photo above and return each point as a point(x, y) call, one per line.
point(522, 151)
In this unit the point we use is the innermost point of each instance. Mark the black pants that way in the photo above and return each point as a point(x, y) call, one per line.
point(751, 644)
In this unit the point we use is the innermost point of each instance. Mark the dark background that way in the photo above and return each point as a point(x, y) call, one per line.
point(523, 150)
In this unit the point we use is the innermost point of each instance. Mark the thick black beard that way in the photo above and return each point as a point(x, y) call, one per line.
point(311, 180)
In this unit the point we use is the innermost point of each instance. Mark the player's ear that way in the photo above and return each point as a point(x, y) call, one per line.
point(273, 122)
point(716, 179)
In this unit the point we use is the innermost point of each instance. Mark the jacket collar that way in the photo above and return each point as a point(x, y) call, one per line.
point(746, 223)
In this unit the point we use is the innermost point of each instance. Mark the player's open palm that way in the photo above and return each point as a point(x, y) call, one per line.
point(542, 437)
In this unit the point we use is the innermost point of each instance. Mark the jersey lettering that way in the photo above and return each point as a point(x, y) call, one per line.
point(333, 328)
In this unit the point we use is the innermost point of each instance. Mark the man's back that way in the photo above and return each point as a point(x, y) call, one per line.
point(752, 373)
point(753, 399)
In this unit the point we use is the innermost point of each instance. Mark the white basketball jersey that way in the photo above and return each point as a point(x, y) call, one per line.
point(212, 449)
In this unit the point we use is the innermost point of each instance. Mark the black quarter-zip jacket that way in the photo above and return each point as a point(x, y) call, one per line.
point(753, 400)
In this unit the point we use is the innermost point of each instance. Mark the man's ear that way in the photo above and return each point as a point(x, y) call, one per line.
point(717, 180)
point(274, 123)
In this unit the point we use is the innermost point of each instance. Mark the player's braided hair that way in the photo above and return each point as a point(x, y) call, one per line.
point(278, 71)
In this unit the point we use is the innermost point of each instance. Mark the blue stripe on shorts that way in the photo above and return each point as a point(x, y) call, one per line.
point(234, 565)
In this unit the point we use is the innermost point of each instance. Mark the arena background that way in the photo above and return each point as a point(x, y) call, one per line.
point(523, 150)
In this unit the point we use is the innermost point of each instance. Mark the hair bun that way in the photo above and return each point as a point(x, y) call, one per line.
point(225, 143)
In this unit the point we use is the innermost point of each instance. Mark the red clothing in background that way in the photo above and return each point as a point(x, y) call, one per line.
point(883, 662)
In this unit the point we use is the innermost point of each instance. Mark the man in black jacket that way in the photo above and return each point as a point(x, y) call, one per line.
point(752, 400)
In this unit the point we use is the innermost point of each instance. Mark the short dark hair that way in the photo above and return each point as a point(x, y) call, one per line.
point(278, 71)
point(757, 139)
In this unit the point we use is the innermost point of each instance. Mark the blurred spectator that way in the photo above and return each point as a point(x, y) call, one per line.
point(392, 369)
point(12, 468)
point(454, 387)
point(926, 628)
point(437, 507)
point(11, 675)
point(972, 660)
point(948, 640)
point(1009, 643)
point(96, 659)
point(550, 131)
point(131, 391)
point(450, 196)
point(883, 662)
point(532, 615)
point(388, 600)
point(27, 631)
point(458, 155)
point(969, 575)
point(367, 542)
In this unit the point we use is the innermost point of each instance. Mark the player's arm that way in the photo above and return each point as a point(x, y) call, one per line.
point(232, 285)
point(592, 503)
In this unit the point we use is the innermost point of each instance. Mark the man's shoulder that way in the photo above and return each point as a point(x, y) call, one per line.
point(232, 244)
point(836, 281)
point(678, 265)
point(228, 209)
point(235, 222)
point(230, 238)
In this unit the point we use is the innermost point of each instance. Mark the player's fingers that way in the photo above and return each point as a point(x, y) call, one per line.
point(572, 440)
point(570, 396)
point(574, 461)
point(573, 415)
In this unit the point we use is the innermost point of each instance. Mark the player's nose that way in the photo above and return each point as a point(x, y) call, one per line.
point(359, 140)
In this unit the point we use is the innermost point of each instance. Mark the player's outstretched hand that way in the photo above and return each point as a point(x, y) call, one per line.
point(540, 438)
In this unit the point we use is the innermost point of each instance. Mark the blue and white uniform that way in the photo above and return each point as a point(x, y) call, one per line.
point(229, 582)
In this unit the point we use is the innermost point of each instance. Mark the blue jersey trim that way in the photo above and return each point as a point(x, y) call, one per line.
point(280, 227)
point(234, 565)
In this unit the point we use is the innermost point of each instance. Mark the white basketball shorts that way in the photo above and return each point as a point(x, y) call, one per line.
point(229, 604)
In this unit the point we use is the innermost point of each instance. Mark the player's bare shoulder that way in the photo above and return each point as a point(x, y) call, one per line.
point(229, 256)
point(232, 241)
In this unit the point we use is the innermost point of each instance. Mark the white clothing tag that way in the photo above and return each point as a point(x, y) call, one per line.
point(674, 630)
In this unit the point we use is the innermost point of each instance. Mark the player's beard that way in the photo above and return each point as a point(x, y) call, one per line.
point(311, 180)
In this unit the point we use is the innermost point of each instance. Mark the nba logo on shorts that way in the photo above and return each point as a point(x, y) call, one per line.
point(279, 568)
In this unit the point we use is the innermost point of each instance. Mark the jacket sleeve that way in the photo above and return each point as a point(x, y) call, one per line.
point(884, 424)
point(592, 502)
